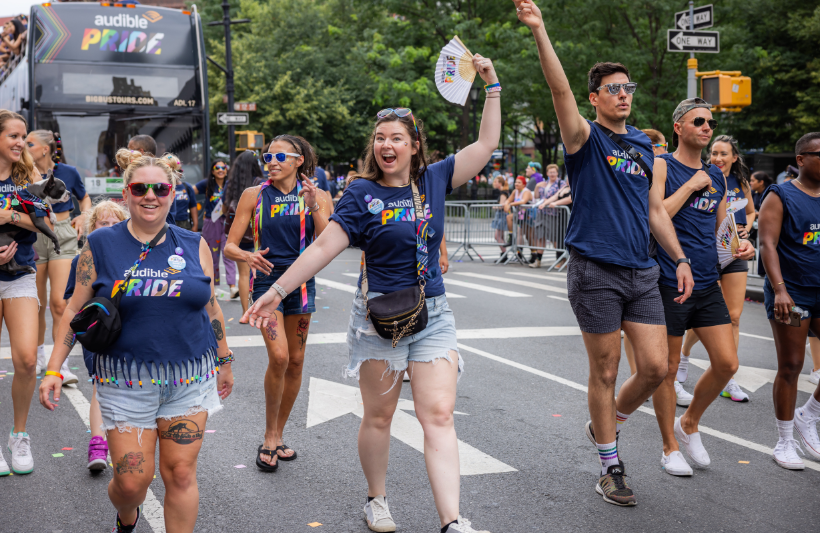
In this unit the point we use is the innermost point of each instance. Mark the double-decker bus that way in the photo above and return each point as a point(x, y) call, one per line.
point(101, 73)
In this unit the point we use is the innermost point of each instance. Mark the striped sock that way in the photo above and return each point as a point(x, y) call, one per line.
point(608, 454)
point(620, 420)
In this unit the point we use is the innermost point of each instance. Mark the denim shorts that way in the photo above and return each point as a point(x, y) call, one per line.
point(804, 297)
point(429, 345)
point(24, 286)
point(292, 305)
point(139, 407)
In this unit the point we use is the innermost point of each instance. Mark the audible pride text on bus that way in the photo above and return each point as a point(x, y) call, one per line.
point(102, 74)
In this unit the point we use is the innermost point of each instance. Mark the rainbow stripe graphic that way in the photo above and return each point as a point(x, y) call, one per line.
point(53, 38)
point(302, 239)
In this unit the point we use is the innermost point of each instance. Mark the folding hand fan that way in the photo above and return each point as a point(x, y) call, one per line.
point(455, 72)
point(734, 207)
point(728, 240)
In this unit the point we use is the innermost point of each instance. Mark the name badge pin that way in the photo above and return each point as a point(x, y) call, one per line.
point(176, 262)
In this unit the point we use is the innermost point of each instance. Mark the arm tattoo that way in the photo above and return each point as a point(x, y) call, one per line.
point(217, 325)
point(271, 328)
point(182, 432)
point(69, 339)
point(302, 330)
point(131, 463)
point(84, 266)
point(212, 300)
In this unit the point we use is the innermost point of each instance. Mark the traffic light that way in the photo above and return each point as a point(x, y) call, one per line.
point(249, 140)
point(726, 91)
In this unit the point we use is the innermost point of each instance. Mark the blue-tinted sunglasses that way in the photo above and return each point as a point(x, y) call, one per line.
point(280, 156)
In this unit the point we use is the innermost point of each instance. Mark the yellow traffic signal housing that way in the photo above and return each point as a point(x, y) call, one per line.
point(726, 91)
point(249, 140)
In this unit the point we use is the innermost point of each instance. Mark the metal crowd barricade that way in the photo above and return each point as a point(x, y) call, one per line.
point(541, 230)
point(488, 226)
point(456, 227)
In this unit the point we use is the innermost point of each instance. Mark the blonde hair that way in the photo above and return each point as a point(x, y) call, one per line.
point(175, 164)
point(23, 171)
point(101, 210)
point(556, 167)
point(131, 160)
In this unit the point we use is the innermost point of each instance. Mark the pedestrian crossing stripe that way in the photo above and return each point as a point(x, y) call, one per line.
point(172, 270)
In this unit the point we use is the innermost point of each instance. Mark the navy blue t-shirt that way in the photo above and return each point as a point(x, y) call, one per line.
point(734, 192)
point(380, 221)
point(610, 200)
point(213, 199)
point(184, 200)
point(694, 224)
point(799, 246)
point(73, 184)
point(320, 179)
point(281, 226)
point(25, 239)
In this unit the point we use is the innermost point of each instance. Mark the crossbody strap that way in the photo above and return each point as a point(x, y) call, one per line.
point(630, 150)
point(147, 247)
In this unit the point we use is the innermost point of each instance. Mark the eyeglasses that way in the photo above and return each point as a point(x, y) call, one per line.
point(700, 121)
point(661, 145)
point(161, 190)
point(400, 112)
point(816, 154)
point(220, 167)
point(615, 88)
point(280, 156)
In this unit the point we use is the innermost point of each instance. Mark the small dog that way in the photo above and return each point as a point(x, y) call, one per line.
point(50, 190)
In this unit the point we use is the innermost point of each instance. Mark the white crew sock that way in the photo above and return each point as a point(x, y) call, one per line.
point(608, 454)
point(785, 428)
point(620, 420)
point(41, 351)
point(812, 407)
point(683, 368)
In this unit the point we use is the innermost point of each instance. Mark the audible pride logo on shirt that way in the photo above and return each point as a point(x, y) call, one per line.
point(151, 286)
point(290, 207)
point(705, 203)
point(812, 237)
point(622, 163)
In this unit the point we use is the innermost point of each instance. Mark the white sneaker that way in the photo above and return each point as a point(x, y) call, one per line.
point(806, 427)
point(42, 360)
point(683, 369)
point(693, 446)
point(378, 515)
point(683, 397)
point(69, 377)
point(22, 461)
point(733, 391)
point(462, 525)
point(814, 377)
point(675, 464)
point(4, 467)
point(785, 454)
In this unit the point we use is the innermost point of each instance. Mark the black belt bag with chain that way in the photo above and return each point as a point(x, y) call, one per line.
point(401, 313)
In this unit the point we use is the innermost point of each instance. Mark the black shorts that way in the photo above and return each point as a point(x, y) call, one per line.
point(602, 296)
point(705, 308)
point(738, 265)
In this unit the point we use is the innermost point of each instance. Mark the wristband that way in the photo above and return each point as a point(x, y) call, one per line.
point(282, 292)
point(683, 260)
point(781, 283)
point(225, 360)
point(53, 373)
point(494, 88)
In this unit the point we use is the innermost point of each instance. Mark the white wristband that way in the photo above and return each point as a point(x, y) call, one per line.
point(280, 290)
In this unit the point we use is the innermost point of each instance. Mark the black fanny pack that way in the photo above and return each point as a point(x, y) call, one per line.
point(98, 324)
point(401, 313)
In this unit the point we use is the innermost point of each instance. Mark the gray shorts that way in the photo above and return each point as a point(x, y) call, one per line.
point(602, 296)
point(67, 236)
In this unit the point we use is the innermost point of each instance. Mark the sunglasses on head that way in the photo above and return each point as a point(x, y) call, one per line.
point(400, 112)
point(661, 145)
point(280, 156)
point(615, 88)
point(161, 190)
point(700, 121)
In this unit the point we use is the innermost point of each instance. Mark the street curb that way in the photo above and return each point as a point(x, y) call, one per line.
point(755, 294)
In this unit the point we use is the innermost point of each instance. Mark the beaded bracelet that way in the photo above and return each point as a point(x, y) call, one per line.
point(225, 360)
point(53, 373)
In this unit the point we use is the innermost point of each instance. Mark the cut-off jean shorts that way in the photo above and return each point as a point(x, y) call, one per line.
point(434, 342)
point(125, 407)
point(23, 286)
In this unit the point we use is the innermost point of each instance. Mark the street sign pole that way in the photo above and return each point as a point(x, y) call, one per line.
point(692, 64)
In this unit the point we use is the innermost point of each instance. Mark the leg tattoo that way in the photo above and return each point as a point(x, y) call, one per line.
point(271, 328)
point(302, 330)
point(182, 432)
point(131, 463)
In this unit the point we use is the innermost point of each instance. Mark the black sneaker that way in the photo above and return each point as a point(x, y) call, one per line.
point(613, 487)
point(121, 528)
point(591, 435)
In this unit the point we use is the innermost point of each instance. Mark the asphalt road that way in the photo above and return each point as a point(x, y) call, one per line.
point(524, 408)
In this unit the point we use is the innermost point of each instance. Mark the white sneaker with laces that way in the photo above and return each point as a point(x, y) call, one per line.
point(785, 454)
point(69, 377)
point(22, 461)
point(4, 467)
point(42, 360)
point(683, 369)
point(675, 464)
point(814, 377)
point(378, 515)
point(806, 427)
point(693, 446)
point(733, 391)
point(683, 398)
point(462, 525)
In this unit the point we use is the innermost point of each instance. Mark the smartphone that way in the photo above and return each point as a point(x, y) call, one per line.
point(796, 316)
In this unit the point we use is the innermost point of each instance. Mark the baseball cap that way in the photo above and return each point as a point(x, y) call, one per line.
point(535, 164)
point(684, 107)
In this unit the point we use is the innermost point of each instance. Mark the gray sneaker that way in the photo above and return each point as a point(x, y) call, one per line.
point(462, 525)
point(378, 515)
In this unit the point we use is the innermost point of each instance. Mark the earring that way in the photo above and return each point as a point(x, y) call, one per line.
point(405, 144)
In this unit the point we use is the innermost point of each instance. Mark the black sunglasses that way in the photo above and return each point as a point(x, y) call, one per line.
point(141, 189)
point(811, 153)
point(700, 121)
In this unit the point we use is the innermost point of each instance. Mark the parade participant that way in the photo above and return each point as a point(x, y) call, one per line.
point(244, 174)
point(184, 210)
point(725, 155)
point(46, 150)
point(612, 282)
point(546, 221)
point(790, 250)
point(18, 292)
point(213, 224)
point(759, 182)
point(377, 213)
point(520, 196)
point(287, 213)
point(103, 215)
point(695, 198)
point(160, 387)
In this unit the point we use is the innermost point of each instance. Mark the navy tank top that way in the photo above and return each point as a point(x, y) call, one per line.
point(281, 227)
point(694, 224)
point(734, 193)
point(165, 327)
point(799, 245)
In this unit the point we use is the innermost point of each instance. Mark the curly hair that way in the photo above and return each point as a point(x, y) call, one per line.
point(104, 209)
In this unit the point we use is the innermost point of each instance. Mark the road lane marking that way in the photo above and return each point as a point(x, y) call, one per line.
point(751, 378)
point(756, 336)
point(545, 276)
point(704, 429)
point(485, 288)
point(336, 285)
point(449, 294)
point(328, 400)
point(514, 282)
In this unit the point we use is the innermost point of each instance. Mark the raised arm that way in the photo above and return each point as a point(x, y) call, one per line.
point(574, 128)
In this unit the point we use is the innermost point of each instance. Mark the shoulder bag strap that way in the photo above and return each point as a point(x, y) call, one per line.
point(145, 249)
point(630, 150)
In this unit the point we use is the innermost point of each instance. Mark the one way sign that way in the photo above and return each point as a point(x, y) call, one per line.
point(704, 18)
point(693, 41)
point(232, 119)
